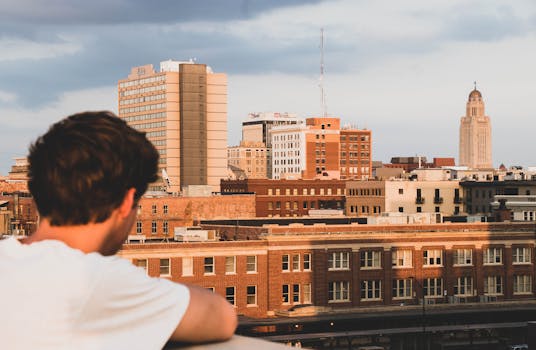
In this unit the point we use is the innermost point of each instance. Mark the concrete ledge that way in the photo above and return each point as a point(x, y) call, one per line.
point(236, 342)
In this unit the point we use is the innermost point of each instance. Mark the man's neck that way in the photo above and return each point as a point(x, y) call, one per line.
point(88, 238)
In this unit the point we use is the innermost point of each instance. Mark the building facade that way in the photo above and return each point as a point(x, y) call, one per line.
point(356, 154)
point(183, 110)
point(284, 198)
point(251, 158)
point(475, 134)
point(258, 128)
point(349, 266)
point(372, 198)
point(480, 195)
point(159, 216)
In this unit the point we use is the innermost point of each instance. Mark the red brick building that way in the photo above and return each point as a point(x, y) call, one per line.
point(321, 147)
point(355, 154)
point(158, 216)
point(346, 266)
point(289, 197)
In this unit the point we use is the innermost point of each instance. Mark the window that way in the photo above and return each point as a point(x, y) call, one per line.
point(296, 262)
point(165, 209)
point(165, 227)
point(403, 289)
point(521, 255)
point(493, 285)
point(230, 295)
point(187, 266)
point(400, 209)
point(138, 227)
point(338, 261)
point(371, 290)
point(400, 191)
point(295, 293)
point(285, 262)
point(463, 257)
point(338, 291)
point(285, 294)
point(493, 256)
point(153, 227)
point(251, 295)
point(230, 265)
point(463, 286)
point(433, 287)
point(522, 284)
point(251, 263)
point(307, 293)
point(432, 257)
point(164, 267)
point(153, 209)
point(402, 258)
point(141, 263)
point(370, 259)
point(307, 262)
point(209, 265)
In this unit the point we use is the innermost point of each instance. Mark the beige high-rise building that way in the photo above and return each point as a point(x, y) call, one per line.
point(250, 157)
point(475, 134)
point(183, 109)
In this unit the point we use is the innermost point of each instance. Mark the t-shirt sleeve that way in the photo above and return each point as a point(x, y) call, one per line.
point(128, 309)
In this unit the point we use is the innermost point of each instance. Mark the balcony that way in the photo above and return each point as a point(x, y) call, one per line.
point(438, 200)
point(458, 200)
point(419, 200)
point(236, 342)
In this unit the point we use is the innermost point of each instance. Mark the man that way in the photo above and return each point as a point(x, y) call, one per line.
point(62, 288)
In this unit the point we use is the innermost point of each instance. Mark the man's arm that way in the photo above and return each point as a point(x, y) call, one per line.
point(209, 317)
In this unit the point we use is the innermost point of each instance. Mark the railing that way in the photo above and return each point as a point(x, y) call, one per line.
point(438, 200)
point(236, 342)
point(419, 200)
point(458, 200)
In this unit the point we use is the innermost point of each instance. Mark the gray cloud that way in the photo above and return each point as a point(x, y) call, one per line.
point(78, 12)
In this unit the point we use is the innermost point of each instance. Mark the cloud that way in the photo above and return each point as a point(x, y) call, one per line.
point(20, 126)
point(82, 12)
point(23, 49)
point(7, 97)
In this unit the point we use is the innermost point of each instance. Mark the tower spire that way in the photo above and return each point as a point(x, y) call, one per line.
point(323, 105)
point(475, 84)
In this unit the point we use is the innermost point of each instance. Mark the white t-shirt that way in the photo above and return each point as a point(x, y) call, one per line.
point(56, 297)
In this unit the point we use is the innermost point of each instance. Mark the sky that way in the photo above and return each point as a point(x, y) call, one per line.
point(403, 69)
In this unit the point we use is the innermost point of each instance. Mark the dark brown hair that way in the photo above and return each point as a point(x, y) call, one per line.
point(81, 169)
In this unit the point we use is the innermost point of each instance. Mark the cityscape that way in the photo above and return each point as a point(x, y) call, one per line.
point(293, 217)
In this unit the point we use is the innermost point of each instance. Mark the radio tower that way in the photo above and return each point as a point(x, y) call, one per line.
point(324, 107)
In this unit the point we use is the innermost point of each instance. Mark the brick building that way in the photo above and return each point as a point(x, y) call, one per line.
point(356, 154)
point(365, 198)
point(251, 158)
point(289, 197)
point(18, 213)
point(158, 216)
point(346, 266)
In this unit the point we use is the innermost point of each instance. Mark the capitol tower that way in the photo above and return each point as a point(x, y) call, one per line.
point(475, 134)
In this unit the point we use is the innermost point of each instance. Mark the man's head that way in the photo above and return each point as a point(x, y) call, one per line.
point(81, 169)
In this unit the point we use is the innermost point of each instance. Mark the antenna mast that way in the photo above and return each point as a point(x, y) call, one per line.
point(324, 108)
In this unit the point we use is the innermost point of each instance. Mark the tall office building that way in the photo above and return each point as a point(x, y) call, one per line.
point(356, 153)
point(475, 134)
point(258, 126)
point(183, 110)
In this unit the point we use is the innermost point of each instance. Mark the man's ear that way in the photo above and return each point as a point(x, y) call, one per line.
point(128, 203)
